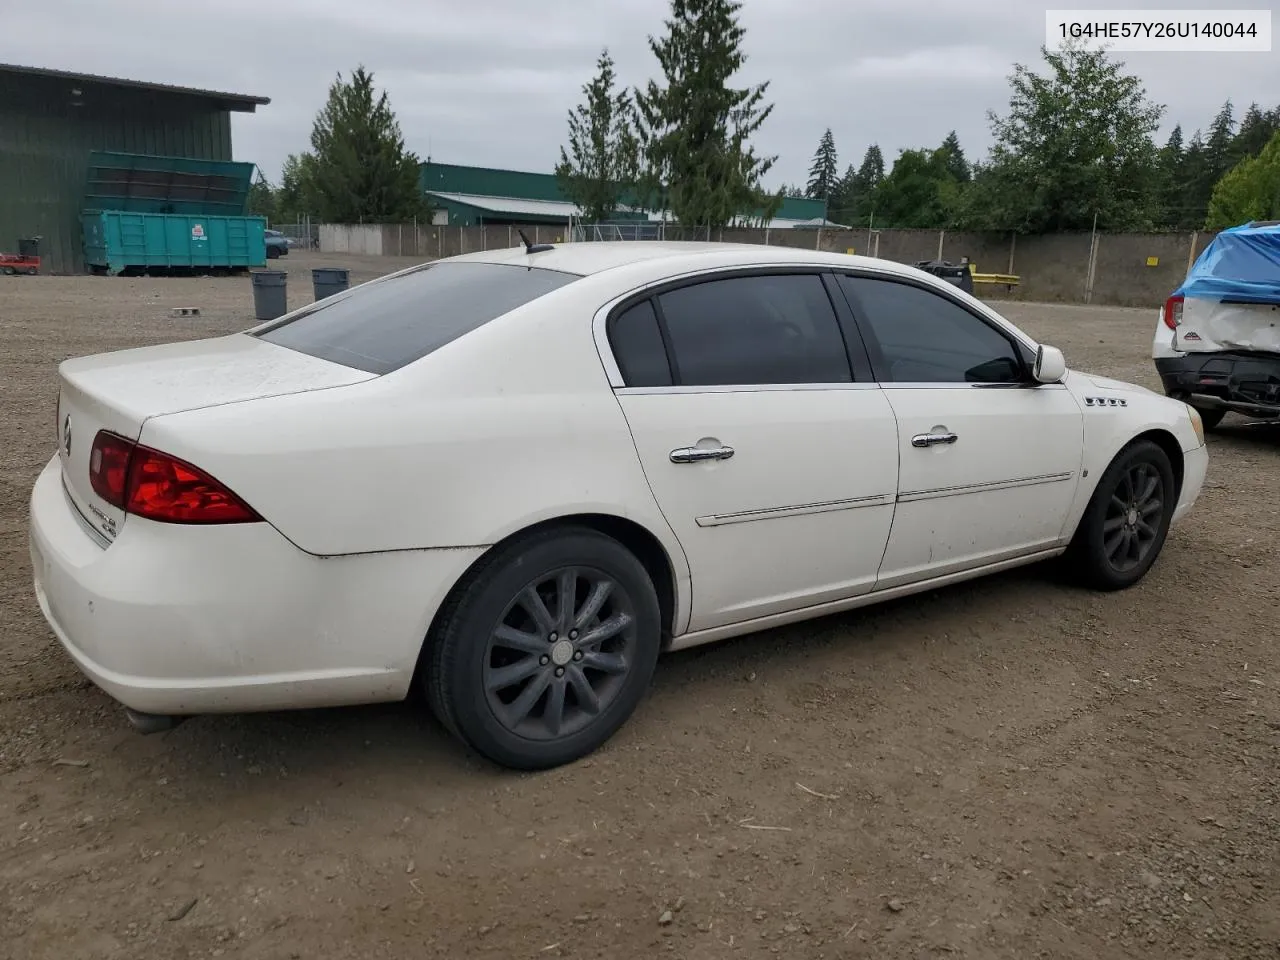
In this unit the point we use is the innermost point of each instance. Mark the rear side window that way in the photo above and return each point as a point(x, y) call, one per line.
point(771, 329)
point(637, 346)
point(380, 327)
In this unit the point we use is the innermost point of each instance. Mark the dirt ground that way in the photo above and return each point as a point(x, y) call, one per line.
point(1006, 769)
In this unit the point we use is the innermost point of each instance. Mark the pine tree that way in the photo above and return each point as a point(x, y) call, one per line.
point(1217, 147)
point(824, 169)
point(359, 169)
point(865, 182)
point(1172, 187)
point(1256, 130)
point(871, 170)
point(694, 129)
point(1191, 206)
point(842, 207)
point(957, 165)
point(599, 168)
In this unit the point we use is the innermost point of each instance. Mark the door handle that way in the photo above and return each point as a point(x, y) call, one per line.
point(932, 439)
point(698, 454)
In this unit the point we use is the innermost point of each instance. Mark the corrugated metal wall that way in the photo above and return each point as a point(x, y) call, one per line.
point(47, 131)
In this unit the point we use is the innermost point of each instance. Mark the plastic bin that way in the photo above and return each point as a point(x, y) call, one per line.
point(326, 281)
point(955, 273)
point(270, 294)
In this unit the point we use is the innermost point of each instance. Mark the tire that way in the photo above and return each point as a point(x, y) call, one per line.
point(1211, 418)
point(496, 666)
point(1097, 555)
point(272, 253)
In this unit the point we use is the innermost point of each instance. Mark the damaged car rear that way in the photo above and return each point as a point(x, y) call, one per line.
point(1217, 342)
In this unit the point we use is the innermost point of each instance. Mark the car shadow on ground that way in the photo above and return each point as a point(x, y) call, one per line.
point(243, 755)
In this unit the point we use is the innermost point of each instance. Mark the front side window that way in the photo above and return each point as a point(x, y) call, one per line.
point(926, 338)
point(771, 329)
point(381, 326)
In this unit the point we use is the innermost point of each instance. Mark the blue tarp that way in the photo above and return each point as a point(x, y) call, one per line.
point(1241, 264)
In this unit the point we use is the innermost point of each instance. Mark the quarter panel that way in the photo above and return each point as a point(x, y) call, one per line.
point(509, 426)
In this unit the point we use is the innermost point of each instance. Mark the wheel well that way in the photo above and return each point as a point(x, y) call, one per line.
point(1167, 442)
point(643, 545)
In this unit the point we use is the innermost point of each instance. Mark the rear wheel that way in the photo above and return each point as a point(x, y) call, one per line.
point(1124, 527)
point(272, 253)
point(546, 649)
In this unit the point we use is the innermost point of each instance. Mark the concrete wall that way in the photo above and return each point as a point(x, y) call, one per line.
point(1052, 268)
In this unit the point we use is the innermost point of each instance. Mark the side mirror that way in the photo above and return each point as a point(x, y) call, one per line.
point(1050, 366)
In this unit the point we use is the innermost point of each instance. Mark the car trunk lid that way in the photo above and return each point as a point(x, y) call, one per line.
point(1209, 326)
point(118, 392)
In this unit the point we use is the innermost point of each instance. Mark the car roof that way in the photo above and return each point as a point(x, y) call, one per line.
point(593, 257)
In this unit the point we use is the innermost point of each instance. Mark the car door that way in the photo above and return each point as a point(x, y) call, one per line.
point(990, 460)
point(775, 466)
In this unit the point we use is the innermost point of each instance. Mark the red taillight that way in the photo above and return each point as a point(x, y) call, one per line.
point(154, 485)
point(109, 467)
point(1172, 312)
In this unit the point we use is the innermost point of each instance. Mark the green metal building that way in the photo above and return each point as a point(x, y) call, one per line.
point(50, 122)
point(474, 196)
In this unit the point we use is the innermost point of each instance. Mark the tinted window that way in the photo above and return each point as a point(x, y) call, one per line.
point(744, 330)
point(637, 346)
point(381, 326)
point(925, 338)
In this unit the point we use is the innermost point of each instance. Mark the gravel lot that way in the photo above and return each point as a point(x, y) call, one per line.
point(1006, 769)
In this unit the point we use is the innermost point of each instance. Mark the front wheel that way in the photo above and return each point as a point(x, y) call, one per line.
point(1124, 527)
point(546, 649)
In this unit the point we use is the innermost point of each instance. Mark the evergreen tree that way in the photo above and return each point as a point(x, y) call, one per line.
point(694, 128)
point(1172, 187)
point(824, 170)
point(865, 182)
point(359, 169)
point(599, 168)
point(842, 208)
point(1256, 130)
point(957, 165)
point(1217, 147)
point(292, 202)
point(1191, 205)
point(262, 199)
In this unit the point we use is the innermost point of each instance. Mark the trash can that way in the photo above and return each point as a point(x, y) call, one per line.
point(954, 273)
point(329, 280)
point(28, 246)
point(270, 294)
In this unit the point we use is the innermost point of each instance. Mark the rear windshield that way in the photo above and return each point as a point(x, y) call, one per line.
point(380, 327)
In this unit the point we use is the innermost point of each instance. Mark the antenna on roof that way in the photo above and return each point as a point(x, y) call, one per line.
point(533, 247)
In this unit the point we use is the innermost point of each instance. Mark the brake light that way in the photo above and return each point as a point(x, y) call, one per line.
point(1173, 312)
point(155, 485)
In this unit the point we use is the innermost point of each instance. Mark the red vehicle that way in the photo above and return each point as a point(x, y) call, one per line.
point(26, 260)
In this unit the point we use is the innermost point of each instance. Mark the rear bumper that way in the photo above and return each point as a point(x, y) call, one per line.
point(1248, 383)
point(178, 620)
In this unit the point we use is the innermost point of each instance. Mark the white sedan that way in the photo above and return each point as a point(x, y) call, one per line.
point(513, 478)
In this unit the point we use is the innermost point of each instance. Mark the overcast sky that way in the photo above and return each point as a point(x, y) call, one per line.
point(489, 82)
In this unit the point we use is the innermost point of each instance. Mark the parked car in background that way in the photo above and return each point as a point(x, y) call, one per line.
point(513, 478)
point(1217, 340)
point(277, 244)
